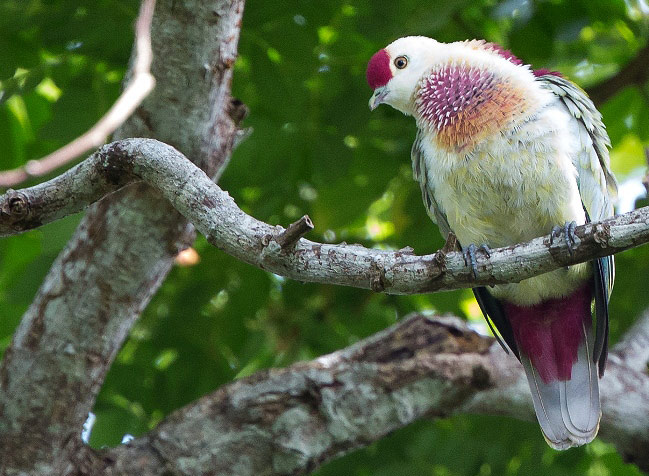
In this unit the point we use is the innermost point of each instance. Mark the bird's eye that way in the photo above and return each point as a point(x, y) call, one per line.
point(401, 62)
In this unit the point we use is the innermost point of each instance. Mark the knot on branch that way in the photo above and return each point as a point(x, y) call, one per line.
point(115, 163)
point(602, 234)
point(16, 212)
point(237, 110)
point(377, 278)
point(271, 247)
point(439, 260)
point(15, 206)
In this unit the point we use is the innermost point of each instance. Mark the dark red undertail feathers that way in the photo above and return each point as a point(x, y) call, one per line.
point(378, 70)
point(550, 332)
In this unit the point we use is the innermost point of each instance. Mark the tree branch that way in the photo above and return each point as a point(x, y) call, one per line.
point(290, 421)
point(138, 88)
point(215, 214)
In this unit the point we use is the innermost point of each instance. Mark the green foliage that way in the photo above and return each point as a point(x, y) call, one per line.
point(314, 149)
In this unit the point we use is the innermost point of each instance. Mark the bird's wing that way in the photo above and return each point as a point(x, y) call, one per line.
point(427, 193)
point(494, 314)
point(597, 188)
point(490, 306)
point(597, 185)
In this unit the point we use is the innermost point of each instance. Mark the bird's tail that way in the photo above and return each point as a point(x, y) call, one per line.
point(555, 340)
point(568, 410)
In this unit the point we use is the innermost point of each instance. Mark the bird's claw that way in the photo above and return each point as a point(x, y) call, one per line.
point(485, 249)
point(470, 257)
point(568, 230)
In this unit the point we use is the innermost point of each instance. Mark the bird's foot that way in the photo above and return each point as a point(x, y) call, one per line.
point(569, 233)
point(470, 257)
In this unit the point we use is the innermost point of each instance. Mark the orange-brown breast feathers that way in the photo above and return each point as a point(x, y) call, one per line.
point(463, 105)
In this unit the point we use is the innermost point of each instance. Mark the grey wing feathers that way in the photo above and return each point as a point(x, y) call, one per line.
point(597, 188)
point(584, 111)
point(427, 195)
point(597, 185)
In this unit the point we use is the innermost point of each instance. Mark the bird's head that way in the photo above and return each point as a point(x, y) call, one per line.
point(461, 92)
point(394, 71)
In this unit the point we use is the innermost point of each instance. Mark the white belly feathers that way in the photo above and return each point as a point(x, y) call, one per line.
point(510, 189)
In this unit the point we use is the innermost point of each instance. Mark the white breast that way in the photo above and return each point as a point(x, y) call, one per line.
point(512, 188)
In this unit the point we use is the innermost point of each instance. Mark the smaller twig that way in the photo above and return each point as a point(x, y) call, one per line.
point(138, 88)
point(294, 232)
point(450, 246)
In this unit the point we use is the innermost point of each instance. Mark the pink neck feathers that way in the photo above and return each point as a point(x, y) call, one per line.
point(508, 55)
point(451, 91)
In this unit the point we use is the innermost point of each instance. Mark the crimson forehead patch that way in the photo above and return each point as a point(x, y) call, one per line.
point(378, 70)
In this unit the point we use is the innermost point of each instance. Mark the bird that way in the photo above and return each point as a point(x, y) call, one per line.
point(504, 154)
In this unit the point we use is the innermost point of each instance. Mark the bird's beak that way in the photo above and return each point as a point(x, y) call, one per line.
point(378, 97)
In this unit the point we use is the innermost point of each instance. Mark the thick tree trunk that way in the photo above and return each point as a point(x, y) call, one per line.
point(121, 251)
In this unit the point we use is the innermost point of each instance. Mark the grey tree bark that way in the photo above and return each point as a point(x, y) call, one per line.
point(290, 421)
